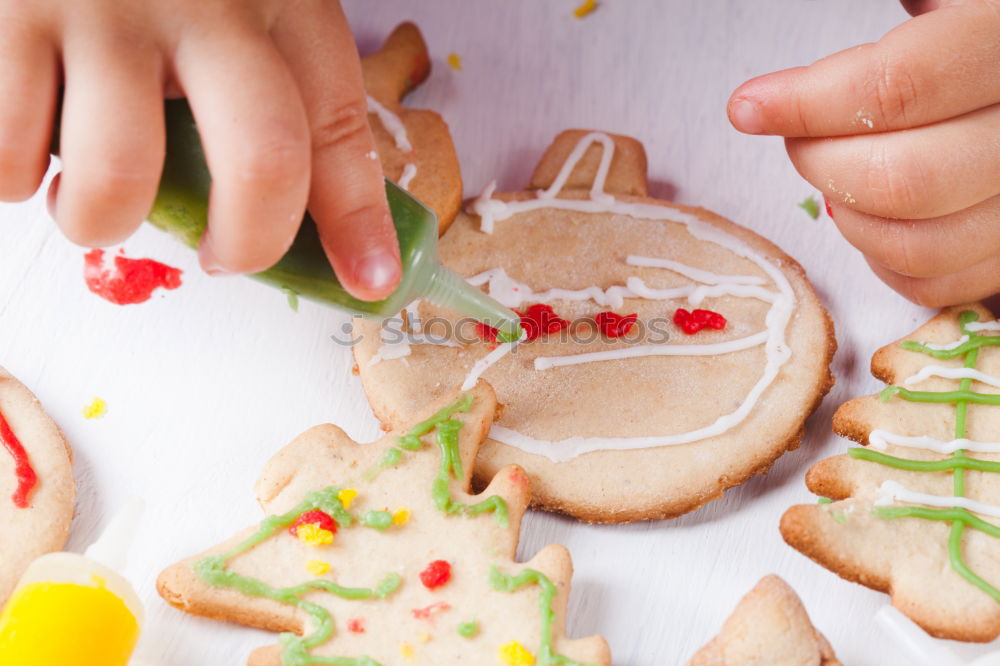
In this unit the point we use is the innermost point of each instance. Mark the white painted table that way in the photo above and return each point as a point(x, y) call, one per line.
point(205, 383)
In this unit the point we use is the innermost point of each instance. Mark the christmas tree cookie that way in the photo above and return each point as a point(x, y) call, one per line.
point(915, 511)
point(414, 144)
point(377, 555)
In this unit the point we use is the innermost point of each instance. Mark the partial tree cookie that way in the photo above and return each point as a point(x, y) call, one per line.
point(671, 354)
point(414, 145)
point(770, 627)
point(916, 509)
point(37, 490)
point(377, 554)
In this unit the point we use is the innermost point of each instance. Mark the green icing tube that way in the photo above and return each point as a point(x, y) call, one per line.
point(181, 208)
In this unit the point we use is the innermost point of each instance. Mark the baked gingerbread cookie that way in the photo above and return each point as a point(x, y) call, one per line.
point(670, 353)
point(37, 490)
point(377, 555)
point(414, 145)
point(916, 509)
point(770, 627)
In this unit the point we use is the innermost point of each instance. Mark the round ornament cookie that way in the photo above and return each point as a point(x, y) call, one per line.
point(37, 490)
point(669, 353)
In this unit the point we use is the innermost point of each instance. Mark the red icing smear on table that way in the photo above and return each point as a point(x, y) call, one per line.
point(26, 477)
point(692, 322)
point(614, 325)
point(131, 281)
point(537, 320)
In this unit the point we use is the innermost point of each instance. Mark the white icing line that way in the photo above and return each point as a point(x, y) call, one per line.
point(396, 342)
point(946, 346)
point(695, 274)
point(483, 364)
point(952, 373)
point(893, 491)
point(392, 124)
point(597, 192)
point(513, 294)
point(991, 325)
point(728, 347)
point(695, 294)
point(776, 320)
point(879, 439)
point(409, 171)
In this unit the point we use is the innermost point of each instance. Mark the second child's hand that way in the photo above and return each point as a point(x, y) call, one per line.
point(903, 138)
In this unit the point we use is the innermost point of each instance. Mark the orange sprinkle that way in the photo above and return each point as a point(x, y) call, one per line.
point(587, 7)
point(455, 61)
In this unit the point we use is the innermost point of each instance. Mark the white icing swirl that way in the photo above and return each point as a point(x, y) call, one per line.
point(893, 491)
point(879, 439)
point(952, 373)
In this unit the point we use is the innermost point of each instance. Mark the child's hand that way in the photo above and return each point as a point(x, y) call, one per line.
point(903, 138)
point(277, 92)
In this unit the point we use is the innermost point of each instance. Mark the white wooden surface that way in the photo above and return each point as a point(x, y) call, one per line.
point(205, 383)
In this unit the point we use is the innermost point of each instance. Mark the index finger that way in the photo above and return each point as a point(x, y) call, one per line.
point(933, 67)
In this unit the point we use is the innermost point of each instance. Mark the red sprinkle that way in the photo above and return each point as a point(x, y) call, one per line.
point(436, 574)
point(538, 320)
point(131, 281)
point(692, 322)
point(829, 209)
point(615, 325)
point(425, 613)
point(26, 477)
point(314, 517)
point(356, 625)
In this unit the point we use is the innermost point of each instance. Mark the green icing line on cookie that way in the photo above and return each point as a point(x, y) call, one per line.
point(955, 462)
point(958, 462)
point(379, 520)
point(468, 629)
point(295, 650)
point(511, 583)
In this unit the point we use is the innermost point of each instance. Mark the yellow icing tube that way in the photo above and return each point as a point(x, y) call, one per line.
point(71, 609)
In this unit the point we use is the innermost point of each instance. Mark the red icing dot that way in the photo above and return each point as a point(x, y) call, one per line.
point(314, 517)
point(829, 209)
point(517, 476)
point(538, 320)
point(356, 625)
point(26, 477)
point(131, 281)
point(692, 322)
point(615, 325)
point(436, 574)
point(425, 613)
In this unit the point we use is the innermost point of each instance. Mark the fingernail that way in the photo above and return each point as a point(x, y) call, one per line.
point(745, 116)
point(378, 272)
point(209, 262)
point(829, 209)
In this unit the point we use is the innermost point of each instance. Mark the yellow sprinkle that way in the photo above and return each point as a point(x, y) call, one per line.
point(424, 637)
point(346, 497)
point(96, 409)
point(515, 654)
point(407, 651)
point(587, 7)
point(455, 61)
point(401, 517)
point(314, 535)
point(317, 567)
